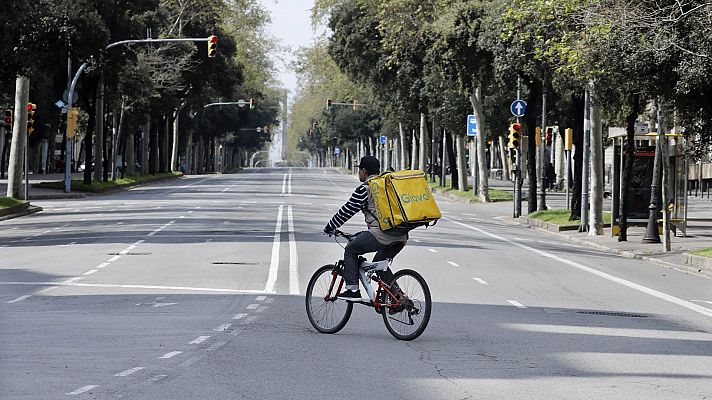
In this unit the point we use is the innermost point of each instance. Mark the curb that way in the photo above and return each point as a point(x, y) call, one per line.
point(691, 266)
point(79, 195)
point(549, 226)
point(19, 210)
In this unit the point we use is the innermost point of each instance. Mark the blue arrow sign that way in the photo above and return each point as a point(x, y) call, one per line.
point(518, 108)
point(383, 139)
point(471, 126)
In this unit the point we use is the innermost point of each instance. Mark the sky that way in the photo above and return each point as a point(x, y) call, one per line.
point(291, 24)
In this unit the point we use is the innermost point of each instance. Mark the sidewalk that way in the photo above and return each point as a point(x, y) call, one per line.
point(699, 232)
point(45, 194)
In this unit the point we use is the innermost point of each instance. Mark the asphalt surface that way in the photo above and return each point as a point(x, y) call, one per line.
point(193, 289)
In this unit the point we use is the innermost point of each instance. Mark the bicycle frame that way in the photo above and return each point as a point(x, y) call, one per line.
point(366, 278)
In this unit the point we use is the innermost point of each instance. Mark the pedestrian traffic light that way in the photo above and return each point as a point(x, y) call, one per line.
point(355, 105)
point(31, 107)
point(328, 104)
point(212, 46)
point(8, 119)
point(72, 117)
point(252, 104)
point(568, 139)
point(515, 135)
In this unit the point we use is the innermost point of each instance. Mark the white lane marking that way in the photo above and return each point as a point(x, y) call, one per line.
point(19, 299)
point(226, 189)
point(454, 264)
point(69, 244)
point(72, 282)
point(139, 242)
point(417, 241)
point(129, 371)
point(161, 228)
point(83, 220)
point(703, 301)
point(82, 389)
point(120, 223)
point(124, 252)
point(632, 285)
point(114, 258)
point(478, 280)
point(49, 289)
point(432, 250)
point(614, 332)
point(515, 303)
point(171, 354)
point(252, 306)
point(239, 316)
point(284, 184)
point(91, 271)
point(182, 216)
point(472, 215)
point(260, 298)
point(133, 246)
point(289, 184)
point(274, 265)
point(293, 256)
point(199, 339)
point(190, 212)
point(102, 265)
point(158, 378)
point(222, 328)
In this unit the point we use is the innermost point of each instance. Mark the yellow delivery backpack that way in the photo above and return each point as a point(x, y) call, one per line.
point(403, 201)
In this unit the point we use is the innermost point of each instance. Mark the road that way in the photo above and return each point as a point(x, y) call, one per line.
point(193, 289)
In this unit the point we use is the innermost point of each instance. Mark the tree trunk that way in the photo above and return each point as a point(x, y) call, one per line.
point(504, 156)
point(461, 164)
point(481, 143)
point(4, 148)
point(595, 225)
point(145, 145)
point(130, 154)
point(174, 150)
point(99, 139)
point(579, 105)
point(423, 146)
point(414, 152)
point(19, 137)
point(403, 147)
point(153, 148)
point(634, 101)
point(452, 159)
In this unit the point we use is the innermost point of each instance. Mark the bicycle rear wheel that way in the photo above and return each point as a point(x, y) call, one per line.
point(407, 318)
point(325, 312)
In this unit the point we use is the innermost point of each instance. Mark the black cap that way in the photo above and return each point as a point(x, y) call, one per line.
point(370, 164)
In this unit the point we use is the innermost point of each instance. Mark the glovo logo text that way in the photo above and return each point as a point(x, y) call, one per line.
point(407, 198)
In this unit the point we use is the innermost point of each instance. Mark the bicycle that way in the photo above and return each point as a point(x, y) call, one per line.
point(404, 303)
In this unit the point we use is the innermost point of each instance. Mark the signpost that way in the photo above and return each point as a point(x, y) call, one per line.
point(473, 131)
point(518, 108)
point(472, 126)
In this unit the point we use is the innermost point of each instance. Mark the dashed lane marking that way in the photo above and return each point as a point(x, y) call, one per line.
point(222, 328)
point(454, 264)
point(478, 280)
point(19, 299)
point(252, 306)
point(432, 250)
point(129, 371)
point(199, 339)
point(260, 298)
point(158, 378)
point(82, 389)
point(171, 354)
point(239, 316)
point(515, 303)
point(90, 272)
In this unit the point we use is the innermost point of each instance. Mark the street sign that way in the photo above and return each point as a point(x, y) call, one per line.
point(471, 126)
point(383, 139)
point(518, 108)
point(337, 151)
point(258, 129)
point(60, 104)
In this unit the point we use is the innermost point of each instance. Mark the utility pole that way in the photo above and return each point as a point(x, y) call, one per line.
point(584, 174)
point(651, 233)
point(542, 151)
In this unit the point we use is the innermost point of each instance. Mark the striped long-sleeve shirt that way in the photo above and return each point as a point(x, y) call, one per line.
point(357, 202)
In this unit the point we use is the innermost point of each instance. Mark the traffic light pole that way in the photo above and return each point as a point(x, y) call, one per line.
point(135, 41)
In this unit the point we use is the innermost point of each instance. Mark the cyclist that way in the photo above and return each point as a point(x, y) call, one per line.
point(372, 240)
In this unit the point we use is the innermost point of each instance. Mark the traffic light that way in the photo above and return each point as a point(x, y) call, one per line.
point(8, 119)
point(328, 104)
point(355, 105)
point(549, 135)
point(252, 104)
point(515, 135)
point(212, 46)
point(568, 138)
point(31, 107)
point(72, 117)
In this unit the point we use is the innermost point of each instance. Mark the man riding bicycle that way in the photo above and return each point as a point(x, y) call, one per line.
point(372, 240)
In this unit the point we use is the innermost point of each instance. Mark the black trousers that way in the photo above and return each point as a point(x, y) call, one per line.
point(363, 243)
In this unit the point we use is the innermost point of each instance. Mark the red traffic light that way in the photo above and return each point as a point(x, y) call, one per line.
point(517, 127)
point(31, 107)
point(212, 46)
point(213, 39)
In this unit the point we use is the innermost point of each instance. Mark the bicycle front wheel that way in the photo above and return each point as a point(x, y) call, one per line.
point(325, 312)
point(407, 315)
